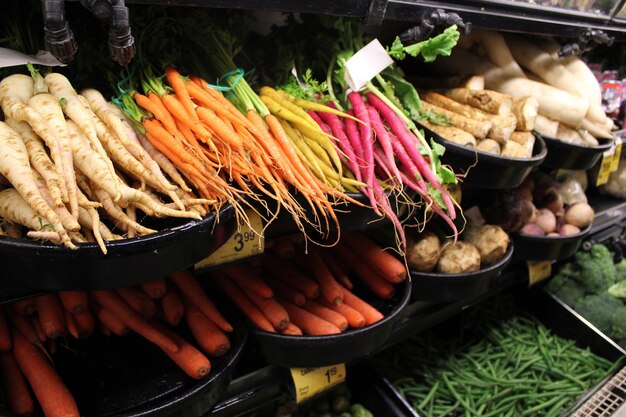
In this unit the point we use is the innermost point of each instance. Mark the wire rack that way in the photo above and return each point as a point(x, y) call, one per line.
point(607, 400)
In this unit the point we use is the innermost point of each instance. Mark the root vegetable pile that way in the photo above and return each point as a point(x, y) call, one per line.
point(279, 296)
point(32, 330)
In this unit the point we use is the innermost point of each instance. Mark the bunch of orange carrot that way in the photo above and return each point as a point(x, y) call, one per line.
point(30, 330)
point(295, 293)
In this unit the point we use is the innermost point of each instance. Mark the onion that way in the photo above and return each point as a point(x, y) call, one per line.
point(553, 234)
point(552, 200)
point(568, 230)
point(546, 220)
point(532, 230)
point(579, 215)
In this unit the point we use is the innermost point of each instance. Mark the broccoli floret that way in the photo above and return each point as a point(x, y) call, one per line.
point(618, 290)
point(620, 270)
point(618, 325)
point(597, 270)
point(571, 292)
point(599, 310)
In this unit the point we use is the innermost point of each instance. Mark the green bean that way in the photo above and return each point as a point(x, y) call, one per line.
point(557, 408)
point(430, 395)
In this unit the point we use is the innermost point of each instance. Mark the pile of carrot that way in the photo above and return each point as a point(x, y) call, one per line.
point(65, 155)
point(31, 330)
point(295, 293)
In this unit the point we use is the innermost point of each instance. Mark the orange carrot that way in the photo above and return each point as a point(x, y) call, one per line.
point(154, 289)
point(109, 321)
point(74, 301)
point(194, 292)
point(178, 111)
point(41, 335)
point(178, 84)
point(53, 396)
point(335, 267)
point(5, 335)
point(309, 323)
point(138, 301)
point(51, 315)
point(327, 314)
point(221, 129)
point(84, 324)
point(292, 330)
point(71, 324)
point(18, 398)
point(173, 308)
point(354, 318)
point(211, 338)
point(284, 248)
point(112, 302)
point(270, 308)
point(289, 275)
point(245, 278)
point(242, 302)
point(329, 287)
point(24, 325)
point(25, 307)
point(370, 313)
point(283, 290)
point(387, 265)
point(367, 275)
point(163, 114)
point(188, 358)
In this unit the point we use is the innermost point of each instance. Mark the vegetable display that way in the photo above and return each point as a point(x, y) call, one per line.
point(593, 285)
point(313, 294)
point(502, 363)
point(31, 331)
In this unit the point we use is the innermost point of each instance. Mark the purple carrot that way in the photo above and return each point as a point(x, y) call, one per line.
point(404, 136)
point(320, 122)
point(355, 139)
point(380, 168)
point(408, 163)
point(345, 146)
point(365, 130)
point(384, 140)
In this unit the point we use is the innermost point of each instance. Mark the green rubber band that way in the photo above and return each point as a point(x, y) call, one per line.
point(239, 73)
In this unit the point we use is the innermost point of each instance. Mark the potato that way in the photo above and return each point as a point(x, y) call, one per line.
point(459, 258)
point(423, 254)
point(491, 242)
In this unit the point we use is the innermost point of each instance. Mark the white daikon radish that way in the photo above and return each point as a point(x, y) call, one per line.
point(595, 130)
point(546, 127)
point(498, 52)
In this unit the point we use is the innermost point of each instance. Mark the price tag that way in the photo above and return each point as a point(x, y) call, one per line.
point(605, 167)
point(538, 271)
point(617, 155)
point(246, 242)
point(365, 64)
point(309, 382)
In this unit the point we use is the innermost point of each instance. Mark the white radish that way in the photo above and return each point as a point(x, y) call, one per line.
point(498, 52)
point(15, 91)
point(101, 107)
point(15, 167)
point(595, 130)
point(123, 221)
point(39, 159)
point(68, 221)
point(49, 108)
point(15, 209)
point(62, 89)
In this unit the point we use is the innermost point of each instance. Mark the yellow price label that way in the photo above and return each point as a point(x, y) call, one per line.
point(247, 241)
point(605, 167)
point(617, 155)
point(538, 271)
point(309, 382)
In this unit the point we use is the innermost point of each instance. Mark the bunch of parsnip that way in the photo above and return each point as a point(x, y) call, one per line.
point(66, 155)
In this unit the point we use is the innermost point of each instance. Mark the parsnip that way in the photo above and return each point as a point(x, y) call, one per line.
point(15, 167)
point(15, 91)
point(68, 221)
point(118, 215)
point(525, 111)
point(485, 100)
point(489, 146)
point(15, 209)
point(452, 134)
point(39, 159)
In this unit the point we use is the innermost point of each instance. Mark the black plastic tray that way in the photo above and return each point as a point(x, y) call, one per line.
point(437, 287)
point(306, 351)
point(129, 377)
point(31, 267)
point(569, 156)
point(488, 170)
point(542, 248)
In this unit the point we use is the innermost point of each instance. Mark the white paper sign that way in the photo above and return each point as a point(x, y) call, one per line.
point(11, 58)
point(366, 64)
